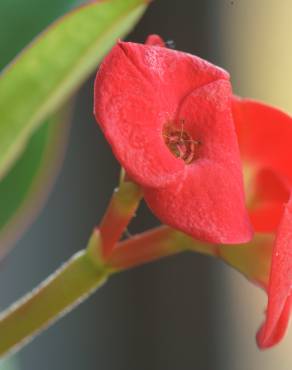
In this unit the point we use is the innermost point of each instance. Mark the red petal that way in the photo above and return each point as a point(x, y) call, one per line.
point(270, 186)
point(265, 135)
point(138, 90)
point(172, 74)
point(279, 290)
point(270, 192)
point(131, 116)
point(265, 218)
point(155, 40)
point(207, 201)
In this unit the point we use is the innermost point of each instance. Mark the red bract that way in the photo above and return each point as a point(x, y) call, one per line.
point(265, 136)
point(280, 284)
point(168, 118)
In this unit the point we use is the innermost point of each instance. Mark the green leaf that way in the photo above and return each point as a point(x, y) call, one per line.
point(47, 72)
point(21, 21)
point(24, 189)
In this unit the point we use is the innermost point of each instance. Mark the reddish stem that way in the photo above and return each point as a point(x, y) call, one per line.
point(121, 209)
point(252, 259)
point(153, 245)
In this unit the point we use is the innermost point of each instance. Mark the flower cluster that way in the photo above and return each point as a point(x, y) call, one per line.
point(176, 127)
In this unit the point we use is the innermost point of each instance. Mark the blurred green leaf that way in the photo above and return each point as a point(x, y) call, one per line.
point(54, 65)
point(25, 187)
point(21, 21)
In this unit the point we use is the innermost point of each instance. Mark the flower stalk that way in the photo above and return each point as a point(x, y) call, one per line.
point(122, 207)
point(153, 245)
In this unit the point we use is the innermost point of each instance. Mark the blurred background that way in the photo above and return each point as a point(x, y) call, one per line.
point(185, 312)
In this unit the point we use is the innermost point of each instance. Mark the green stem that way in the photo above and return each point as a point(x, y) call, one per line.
point(67, 287)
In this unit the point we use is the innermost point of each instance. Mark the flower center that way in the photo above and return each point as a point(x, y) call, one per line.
point(180, 143)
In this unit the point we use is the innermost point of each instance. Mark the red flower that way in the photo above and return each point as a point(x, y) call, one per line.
point(168, 118)
point(265, 137)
